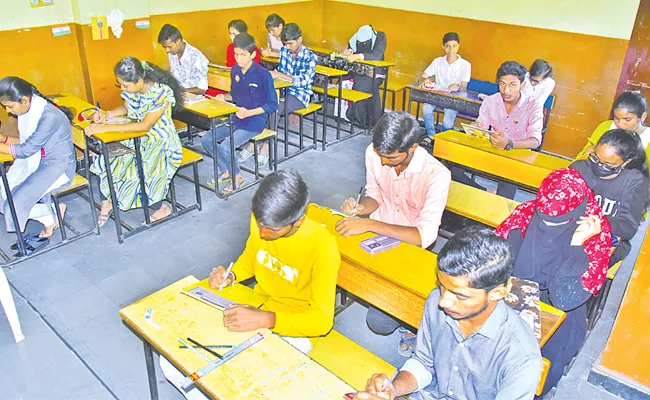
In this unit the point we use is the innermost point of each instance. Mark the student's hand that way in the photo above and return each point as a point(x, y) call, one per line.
point(99, 117)
point(217, 280)
point(369, 396)
point(275, 74)
point(266, 52)
point(427, 81)
point(380, 385)
point(218, 97)
point(243, 113)
point(346, 52)
point(587, 227)
point(354, 57)
point(245, 318)
point(93, 129)
point(454, 87)
point(351, 207)
point(498, 139)
point(352, 226)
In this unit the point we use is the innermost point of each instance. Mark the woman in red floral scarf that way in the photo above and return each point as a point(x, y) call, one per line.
point(562, 241)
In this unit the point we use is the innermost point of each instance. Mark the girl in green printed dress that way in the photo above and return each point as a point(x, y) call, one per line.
point(149, 95)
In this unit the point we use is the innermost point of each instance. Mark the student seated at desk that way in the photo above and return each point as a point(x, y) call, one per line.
point(406, 194)
point(562, 241)
point(252, 90)
point(274, 24)
point(449, 73)
point(617, 173)
point(470, 344)
point(186, 63)
point(539, 83)
point(515, 119)
point(295, 261)
point(44, 158)
point(630, 112)
point(150, 94)
point(235, 27)
point(366, 44)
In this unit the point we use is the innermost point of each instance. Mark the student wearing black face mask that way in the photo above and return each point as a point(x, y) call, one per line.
point(617, 172)
point(367, 44)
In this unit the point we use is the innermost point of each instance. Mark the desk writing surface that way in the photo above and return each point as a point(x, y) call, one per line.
point(271, 369)
point(212, 108)
point(4, 157)
point(220, 79)
point(409, 269)
point(479, 205)
point(519, 165)
point(329, 72)
point(467, 95)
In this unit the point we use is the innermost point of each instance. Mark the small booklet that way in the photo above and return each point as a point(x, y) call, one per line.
point(523, 297)
point(191, 98)
point(476, 131)
point(236, 294)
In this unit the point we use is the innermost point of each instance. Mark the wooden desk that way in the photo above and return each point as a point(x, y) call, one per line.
point(271, 369)
point(398, 281)
point(220, 79)
point(621, 367)
point(208, 111)
point(523, 166)
point(465, 102)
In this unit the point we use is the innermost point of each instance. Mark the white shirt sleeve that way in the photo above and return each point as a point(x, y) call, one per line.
point(467, 72)
point(543, 90)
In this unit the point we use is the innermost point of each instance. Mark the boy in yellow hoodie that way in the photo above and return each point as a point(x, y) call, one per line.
point(295, 261)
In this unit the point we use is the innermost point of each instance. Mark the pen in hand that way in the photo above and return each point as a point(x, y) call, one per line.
point(354, 210)
point(225, 275)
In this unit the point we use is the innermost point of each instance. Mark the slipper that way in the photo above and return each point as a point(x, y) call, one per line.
point(239, 185)
point(222, 181)
point(26, 237)
point(262, 160)
point(32, 246)
point(406, 345)
point(244, 155)
point(102, 219)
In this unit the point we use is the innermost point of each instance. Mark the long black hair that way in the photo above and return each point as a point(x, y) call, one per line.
point(13, 88)
point(541, 68)
point(130, 69)
point(629, 147)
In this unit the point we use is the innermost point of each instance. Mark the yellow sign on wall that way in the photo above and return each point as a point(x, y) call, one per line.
point(99, 28)
point(41, 3)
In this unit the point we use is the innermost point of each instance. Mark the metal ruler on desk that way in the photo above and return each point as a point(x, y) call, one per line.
point(192, 378)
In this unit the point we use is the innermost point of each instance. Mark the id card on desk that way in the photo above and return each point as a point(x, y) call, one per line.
point(379, 243)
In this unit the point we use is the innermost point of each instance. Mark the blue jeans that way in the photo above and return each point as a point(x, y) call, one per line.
point(222, 136)
point(429, 123)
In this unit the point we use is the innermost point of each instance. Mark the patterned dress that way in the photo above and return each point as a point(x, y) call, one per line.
point(161, 152)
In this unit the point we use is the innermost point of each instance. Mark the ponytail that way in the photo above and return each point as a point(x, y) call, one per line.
point(13, 88)
point(131, 70)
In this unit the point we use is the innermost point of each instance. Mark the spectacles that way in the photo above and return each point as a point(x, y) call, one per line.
point(594, 159)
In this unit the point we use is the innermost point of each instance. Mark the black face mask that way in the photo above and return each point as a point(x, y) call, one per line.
point(364, 47)
point(602, 171)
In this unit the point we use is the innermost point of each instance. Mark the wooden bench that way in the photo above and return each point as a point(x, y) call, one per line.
point(312, 108)
point(271, 136)
point(190, 158)
point(478, 205)
point(395, 87)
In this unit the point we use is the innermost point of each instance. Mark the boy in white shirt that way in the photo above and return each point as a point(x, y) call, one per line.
point(451, 73)
point(186, 63)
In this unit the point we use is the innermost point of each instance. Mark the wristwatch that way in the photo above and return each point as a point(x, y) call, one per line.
point(510, 145)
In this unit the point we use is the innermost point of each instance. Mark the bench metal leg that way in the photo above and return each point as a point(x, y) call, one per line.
point(111, 189)
point(404, 100)
point(286, 129)
point(302, 120)
point(151, 370)
point(59, 218)
point(256, 156)
point(197, 187)
point(144, 197)
point(12, 210)
point(338, 113)
point(172, 195)
point(91, 198)
point(393, 103)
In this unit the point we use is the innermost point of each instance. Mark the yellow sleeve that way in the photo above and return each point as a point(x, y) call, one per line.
point(318, 318)
point(243, 267)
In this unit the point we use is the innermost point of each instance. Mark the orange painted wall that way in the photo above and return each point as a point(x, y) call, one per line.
point(208, 30)
point(586, 67)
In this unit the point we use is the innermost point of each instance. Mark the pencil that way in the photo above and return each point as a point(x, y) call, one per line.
point(214, 353)
point(392, 378)
point(358, 198)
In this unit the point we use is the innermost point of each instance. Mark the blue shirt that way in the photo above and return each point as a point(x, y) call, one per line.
point(301, 69)
point(501, 361)
point(251, 90)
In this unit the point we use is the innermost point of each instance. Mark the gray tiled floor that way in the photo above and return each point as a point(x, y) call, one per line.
point(80, 288)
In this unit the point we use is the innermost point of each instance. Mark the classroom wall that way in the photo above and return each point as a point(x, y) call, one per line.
point(587, 67)
point(16, 14)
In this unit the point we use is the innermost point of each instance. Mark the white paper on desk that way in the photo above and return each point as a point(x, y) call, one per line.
point(338, 212)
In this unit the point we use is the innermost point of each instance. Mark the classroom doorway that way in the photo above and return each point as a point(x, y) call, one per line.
point(635, 74)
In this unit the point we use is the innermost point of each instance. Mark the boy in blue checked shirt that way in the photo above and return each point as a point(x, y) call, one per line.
point(252, 90)
point(298, 65)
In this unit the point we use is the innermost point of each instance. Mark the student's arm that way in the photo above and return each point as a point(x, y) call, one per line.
point(47, 126)
point(534, 127)
point(318, 318)
point(429, 74)
point(372, 199)
point(520, 382)
point(141, 126)
point(304, 77)
point(484, 119)
point(243, 267)
point(631, 209)
point(466, 76)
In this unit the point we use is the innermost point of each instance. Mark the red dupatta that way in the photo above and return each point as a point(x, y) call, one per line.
point(560, 192)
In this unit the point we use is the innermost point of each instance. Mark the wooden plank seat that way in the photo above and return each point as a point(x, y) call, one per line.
point(347, 94)
point(78, 182)
point(395, 87)
point(478, 205)
point(271, 136)
point(311, 109)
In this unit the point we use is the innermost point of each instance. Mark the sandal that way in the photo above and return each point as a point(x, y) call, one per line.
point(406, 346)
point(31, 246)
point(244, 155)
point(239, 185)
point(26, 237)
point(102, 219)
point(262, 160)
point(222, 181)
point(62, 208)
